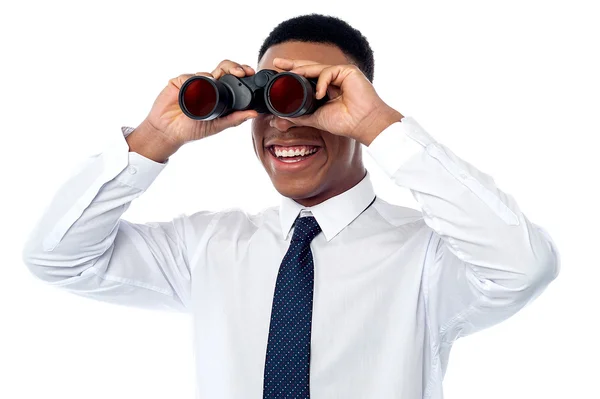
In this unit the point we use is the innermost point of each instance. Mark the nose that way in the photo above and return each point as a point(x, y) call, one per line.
point(283, 125)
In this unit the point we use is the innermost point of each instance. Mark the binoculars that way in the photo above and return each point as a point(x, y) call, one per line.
point(267, 91)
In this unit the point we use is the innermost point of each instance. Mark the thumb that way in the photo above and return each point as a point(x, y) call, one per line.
point(244, 116)
point(304, 120)
point(237, 118)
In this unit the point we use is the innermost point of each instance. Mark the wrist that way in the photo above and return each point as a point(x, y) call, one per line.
point(151, 143)
point(380, 120)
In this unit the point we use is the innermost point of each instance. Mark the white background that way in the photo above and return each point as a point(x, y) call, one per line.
point(511, 87)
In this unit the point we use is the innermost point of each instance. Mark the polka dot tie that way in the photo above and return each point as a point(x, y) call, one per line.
point(288, 350)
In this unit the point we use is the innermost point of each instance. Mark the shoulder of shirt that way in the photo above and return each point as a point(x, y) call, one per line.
point(397, 215)
point(235, 214)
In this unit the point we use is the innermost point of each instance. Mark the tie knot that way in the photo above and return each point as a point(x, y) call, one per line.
point(305, 229)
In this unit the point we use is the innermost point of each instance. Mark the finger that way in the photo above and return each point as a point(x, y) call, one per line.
point(328, 76)
point(234, 119)
point(229, 67)
point(288, 64)
point(310, 71)
point(248, 69)
point(304, 120)
point(203, 74)
point(333, 92)
point(180, 80)
point(218, 72)
point(237, 71)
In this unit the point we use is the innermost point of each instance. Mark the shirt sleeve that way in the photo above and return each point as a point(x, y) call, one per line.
point(486, 259)
point(81, 243)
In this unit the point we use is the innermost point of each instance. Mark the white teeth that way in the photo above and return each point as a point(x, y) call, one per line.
point(294, 153)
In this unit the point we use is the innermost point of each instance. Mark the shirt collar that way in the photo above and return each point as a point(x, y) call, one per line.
point(332, 215)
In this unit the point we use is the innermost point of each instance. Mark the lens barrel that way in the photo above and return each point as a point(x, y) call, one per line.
point(204, 98)
point(291, 95)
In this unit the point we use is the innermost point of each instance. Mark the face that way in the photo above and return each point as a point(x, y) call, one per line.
point(335, 167)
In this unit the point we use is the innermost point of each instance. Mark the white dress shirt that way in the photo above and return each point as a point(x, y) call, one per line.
point(394, 287)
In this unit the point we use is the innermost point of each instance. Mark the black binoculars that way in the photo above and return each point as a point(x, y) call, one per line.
point(267, 91)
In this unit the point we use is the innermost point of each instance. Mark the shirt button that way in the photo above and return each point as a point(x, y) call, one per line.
point(132, 170)
point(463, 175)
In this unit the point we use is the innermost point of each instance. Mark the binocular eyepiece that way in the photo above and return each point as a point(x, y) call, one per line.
point(267, 91)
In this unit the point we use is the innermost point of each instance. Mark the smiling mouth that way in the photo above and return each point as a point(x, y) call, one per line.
point(295, 158)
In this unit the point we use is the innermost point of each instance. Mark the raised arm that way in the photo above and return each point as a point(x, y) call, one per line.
point(83, 245)
point(486, 260)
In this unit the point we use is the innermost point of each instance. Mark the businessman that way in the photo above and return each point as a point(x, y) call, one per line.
point(333, 293)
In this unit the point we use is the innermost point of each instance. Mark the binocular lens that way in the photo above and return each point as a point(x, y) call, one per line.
point(200, 97)
point(286, 94)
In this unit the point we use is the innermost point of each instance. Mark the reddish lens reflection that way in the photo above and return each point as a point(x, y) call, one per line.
point(286, 94)
point(200, 97)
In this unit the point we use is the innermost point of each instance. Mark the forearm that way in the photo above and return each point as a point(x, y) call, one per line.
point(80, 222)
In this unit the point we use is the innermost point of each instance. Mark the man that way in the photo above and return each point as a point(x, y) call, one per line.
point(333, 294)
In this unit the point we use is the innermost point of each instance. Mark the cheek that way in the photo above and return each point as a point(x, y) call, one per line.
point(336, 147)
point(254, 145)
point(342, 152)
point(257, 146)
point(258, 129)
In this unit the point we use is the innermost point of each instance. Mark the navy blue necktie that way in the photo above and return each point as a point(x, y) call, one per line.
point(288, 350)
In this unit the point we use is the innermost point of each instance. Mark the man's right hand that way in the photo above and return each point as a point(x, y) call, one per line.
point(167, 128)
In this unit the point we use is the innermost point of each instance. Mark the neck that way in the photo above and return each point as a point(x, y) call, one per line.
point(345, 185)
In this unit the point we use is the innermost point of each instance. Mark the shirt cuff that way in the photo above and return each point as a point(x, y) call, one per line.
point(140, 171)
point(398, 143)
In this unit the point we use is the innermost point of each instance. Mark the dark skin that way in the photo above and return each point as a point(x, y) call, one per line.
point(340, 166)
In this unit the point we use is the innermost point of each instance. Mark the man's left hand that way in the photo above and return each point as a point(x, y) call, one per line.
point(354, 109)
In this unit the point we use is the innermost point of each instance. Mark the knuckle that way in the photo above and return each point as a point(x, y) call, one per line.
point(230, 65)
point(181, 78)
point(218, 72)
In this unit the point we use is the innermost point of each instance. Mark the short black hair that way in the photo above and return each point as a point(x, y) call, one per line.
point(318, 28)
